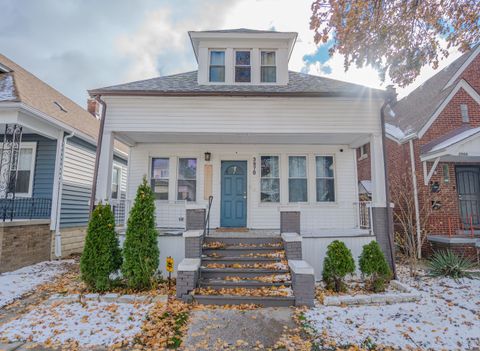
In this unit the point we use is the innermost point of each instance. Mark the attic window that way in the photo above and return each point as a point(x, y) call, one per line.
point(464, 111)
point(242, 67)
point(60, 106)
point(268, 70)
point(217, 66)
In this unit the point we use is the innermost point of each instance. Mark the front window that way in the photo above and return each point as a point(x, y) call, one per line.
point(25, 169)
point(270, 179)
point(116, 172)
point(297, 179)
point(242, 67)
point(160, 177)
point(464, 112)
point(217, 66)
point(325, 179)
point(268, 69)
point(187, 179)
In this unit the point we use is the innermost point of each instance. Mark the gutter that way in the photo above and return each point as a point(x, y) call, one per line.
point(415, 199)
point(388, 99)
point(98, 151)
point(58, 234)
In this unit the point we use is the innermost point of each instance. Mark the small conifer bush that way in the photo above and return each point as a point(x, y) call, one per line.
point(140, 248)
point(337, 265)
point(374, 267)
point(101, 255)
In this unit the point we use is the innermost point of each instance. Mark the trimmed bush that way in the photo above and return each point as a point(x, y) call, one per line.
point(448, 264)
point(337, 264)
point(140, 248)
point(101, 255)
point(374, 267)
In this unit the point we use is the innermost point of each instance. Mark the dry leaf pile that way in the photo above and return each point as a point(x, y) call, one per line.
point(164, 327)
point(272, 278)
point(282, 265)
point(276, 254)
point(214, 245)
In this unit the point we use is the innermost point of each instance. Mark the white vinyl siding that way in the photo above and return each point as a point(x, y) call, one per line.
point(340, 214)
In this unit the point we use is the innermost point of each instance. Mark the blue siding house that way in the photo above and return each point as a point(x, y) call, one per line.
point(47, 160)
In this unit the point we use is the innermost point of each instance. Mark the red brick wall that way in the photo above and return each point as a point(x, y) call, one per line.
point(447, 218)
point(364, 169)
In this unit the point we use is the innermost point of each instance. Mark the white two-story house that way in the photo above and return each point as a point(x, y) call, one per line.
point(258, 138)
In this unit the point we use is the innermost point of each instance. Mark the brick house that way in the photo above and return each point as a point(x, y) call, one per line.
point(434, 146)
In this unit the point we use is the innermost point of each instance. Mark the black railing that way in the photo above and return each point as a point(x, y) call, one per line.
point(206, 227)
point(25, 208)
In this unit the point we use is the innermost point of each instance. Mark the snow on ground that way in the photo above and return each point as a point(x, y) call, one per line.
point(17, 283)
point(92, 324)
point(447, 317)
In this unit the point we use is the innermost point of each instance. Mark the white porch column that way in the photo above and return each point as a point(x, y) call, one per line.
point(378, 171)
point(104, 177)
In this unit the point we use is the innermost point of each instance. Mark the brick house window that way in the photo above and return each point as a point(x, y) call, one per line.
point(363, 152)
point(464, 111)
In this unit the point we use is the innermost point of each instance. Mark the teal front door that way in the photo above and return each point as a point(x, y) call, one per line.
point(234, 194)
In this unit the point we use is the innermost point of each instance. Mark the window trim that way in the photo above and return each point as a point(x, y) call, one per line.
point(235, 65)
point(261, 66)
point(119, 181)
point(466, 118)
point(363, 152)
point(178, 177)
point(279, 180)
point(29, 145)
point(306, 177)
point(169, 175)
point(334, 178)
point(224, 65)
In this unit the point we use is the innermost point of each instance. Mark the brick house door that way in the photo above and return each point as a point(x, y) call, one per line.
point(468, 188)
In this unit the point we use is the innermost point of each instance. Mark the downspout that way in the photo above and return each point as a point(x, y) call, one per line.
point(58, 234)
point(98, 151)
point(387, 186)
point(415, 199)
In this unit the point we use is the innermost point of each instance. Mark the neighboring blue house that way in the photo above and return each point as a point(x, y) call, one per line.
point(47, 162)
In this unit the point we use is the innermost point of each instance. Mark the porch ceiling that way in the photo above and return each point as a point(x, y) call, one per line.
point(351, 139)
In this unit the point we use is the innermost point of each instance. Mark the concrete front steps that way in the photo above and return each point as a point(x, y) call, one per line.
point(242, 270)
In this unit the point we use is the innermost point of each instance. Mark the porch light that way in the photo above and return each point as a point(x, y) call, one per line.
point(208, 156)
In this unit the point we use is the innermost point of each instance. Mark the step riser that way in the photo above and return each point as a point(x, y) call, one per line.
point(221, 274)
point(239, 260)
point(226, 285)
point(244, 240)
point(239, 252)
point(238, 300)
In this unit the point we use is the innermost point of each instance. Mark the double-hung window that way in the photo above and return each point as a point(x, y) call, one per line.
point(268, 69)
point(217, 66)
point(25, 171)
point(270, 179)
point(243, 68)
point(187, 179)
point(297, 179)
point(116, 174)
point(160, 177)
point(325, 179)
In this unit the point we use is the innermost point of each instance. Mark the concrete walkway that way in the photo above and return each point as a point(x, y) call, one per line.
point(222, 329)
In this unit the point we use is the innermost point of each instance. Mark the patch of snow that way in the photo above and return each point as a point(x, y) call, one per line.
point(7, 90)
point(92, 324)
point(394, 131)
point(446, 317)
point(14, 285)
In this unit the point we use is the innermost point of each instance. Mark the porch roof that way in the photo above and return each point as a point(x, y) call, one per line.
point(462, 144)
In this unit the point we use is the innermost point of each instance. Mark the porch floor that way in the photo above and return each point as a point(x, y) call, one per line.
point(244, 233)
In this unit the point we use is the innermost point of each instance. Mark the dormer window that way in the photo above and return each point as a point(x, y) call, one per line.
point(217, 66)
point(268, 69)
point(243, 69)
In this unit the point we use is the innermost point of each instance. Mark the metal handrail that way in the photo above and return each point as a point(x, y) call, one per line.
point(206, 226)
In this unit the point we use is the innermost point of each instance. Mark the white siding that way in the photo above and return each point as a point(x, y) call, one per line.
point(242, 115)
point(340, 214)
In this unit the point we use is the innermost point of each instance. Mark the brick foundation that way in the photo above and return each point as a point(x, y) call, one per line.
point(73, 241)
point(195, 219)
point(462, 249)
point(290, 222)
point(24, 243)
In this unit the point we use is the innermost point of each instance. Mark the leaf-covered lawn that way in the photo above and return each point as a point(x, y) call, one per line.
point(447, 317)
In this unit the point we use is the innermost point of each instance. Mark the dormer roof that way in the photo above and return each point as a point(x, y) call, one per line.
point(239, 34)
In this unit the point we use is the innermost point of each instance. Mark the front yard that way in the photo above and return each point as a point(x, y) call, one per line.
point(41, 306)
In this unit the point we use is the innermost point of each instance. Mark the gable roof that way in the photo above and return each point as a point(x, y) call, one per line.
point(413, 112)
point(186, 84)
point(19, 85)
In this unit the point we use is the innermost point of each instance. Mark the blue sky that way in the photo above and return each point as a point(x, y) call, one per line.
point(75, 45)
